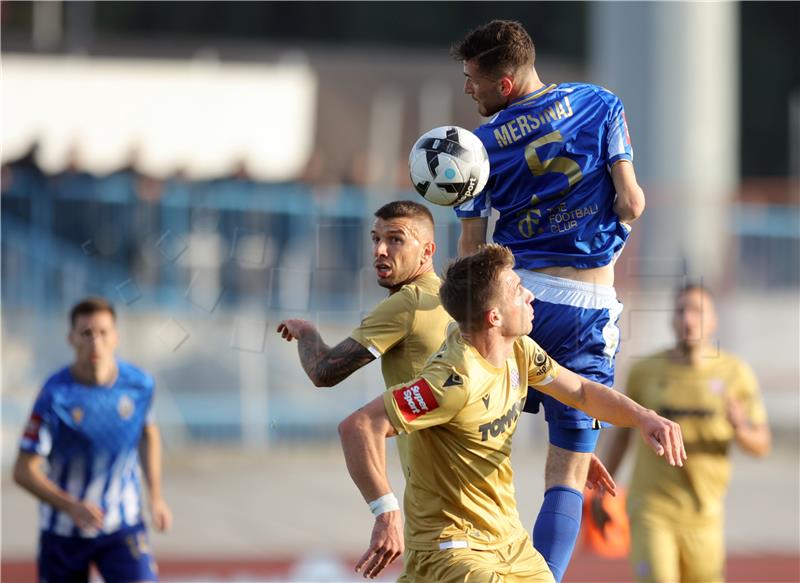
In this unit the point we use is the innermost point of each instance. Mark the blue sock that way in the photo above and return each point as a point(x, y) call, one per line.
point(556, 528)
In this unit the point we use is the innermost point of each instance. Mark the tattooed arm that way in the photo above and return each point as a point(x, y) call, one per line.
point(325, 366)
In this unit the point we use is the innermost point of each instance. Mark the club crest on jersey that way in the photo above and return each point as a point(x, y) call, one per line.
point(514, 378)
point(77, 415)
point(125, 407)
point(716, 386)
point(415, 399)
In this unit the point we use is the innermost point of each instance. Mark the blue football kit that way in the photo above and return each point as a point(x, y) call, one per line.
point(90, 437)
point(550, 155)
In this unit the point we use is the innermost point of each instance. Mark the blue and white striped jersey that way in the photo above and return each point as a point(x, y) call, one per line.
point(90, 437)
point(550, 153)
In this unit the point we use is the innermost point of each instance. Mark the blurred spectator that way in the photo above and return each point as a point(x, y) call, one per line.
point(22, 176)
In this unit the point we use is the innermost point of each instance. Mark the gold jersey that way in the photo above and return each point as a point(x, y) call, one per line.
point(405, 329)
point(459, 415)
point(695, 397)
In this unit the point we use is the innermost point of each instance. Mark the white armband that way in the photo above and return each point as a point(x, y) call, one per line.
point(386, 503)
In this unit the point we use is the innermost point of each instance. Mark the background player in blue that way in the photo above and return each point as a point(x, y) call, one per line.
point(92, 422)
point(562, 180)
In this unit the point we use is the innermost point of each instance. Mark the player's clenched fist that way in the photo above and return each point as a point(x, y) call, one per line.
point(162, 515)
point(385, 546)
point(293, 329)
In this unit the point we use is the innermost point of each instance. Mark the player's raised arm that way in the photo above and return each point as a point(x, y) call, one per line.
point(325, 366)
point(754, 438)
point(662, 435)
point(363, 435)
point(473, 235)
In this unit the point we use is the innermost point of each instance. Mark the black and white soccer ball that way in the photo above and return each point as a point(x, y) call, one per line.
point(448, 165)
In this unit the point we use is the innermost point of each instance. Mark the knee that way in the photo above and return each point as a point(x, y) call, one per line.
point(566, 468)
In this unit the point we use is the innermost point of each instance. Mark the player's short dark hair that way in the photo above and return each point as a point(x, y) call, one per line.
point(471, 285)
point(500, 47)
point(89, 306)
point(405, 209)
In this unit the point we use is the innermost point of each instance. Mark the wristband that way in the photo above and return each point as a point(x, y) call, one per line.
point(386, 503)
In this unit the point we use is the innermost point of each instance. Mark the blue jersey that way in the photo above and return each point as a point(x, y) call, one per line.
point(550, 153)
point(90, 436)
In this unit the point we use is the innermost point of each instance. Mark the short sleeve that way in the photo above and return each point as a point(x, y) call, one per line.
point(434, 398)
point(37, 435)
point(618, 138)
point(542, 369)
point(387, 324)
point(479, 206)
point(150, 416)
point(748, 393)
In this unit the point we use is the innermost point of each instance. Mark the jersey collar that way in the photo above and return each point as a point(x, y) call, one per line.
point(526, 99)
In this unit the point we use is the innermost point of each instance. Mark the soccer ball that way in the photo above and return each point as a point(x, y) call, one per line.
point(448, 165)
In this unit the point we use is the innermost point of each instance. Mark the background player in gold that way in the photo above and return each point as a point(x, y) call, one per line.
point(460, 414)
point(677, 515)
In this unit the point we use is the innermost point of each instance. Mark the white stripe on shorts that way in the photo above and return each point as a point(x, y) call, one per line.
point(578, 294)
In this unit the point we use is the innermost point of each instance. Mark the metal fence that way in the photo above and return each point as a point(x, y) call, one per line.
point(202, 273)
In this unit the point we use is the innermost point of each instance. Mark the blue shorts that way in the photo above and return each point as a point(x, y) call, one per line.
point(121, 557)
point(576, 324)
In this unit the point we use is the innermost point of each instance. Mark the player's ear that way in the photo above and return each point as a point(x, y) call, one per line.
point(492, 318)
point(427, 251)
point(506, 85)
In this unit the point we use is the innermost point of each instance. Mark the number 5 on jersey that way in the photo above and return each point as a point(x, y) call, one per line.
point(529, 219)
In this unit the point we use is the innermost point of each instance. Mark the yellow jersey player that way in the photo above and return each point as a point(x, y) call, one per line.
point(676, 515)
point(459, 415)
point(405, 328)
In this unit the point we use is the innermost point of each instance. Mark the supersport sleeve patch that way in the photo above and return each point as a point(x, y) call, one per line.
point(415, 399)
point(478, 206)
